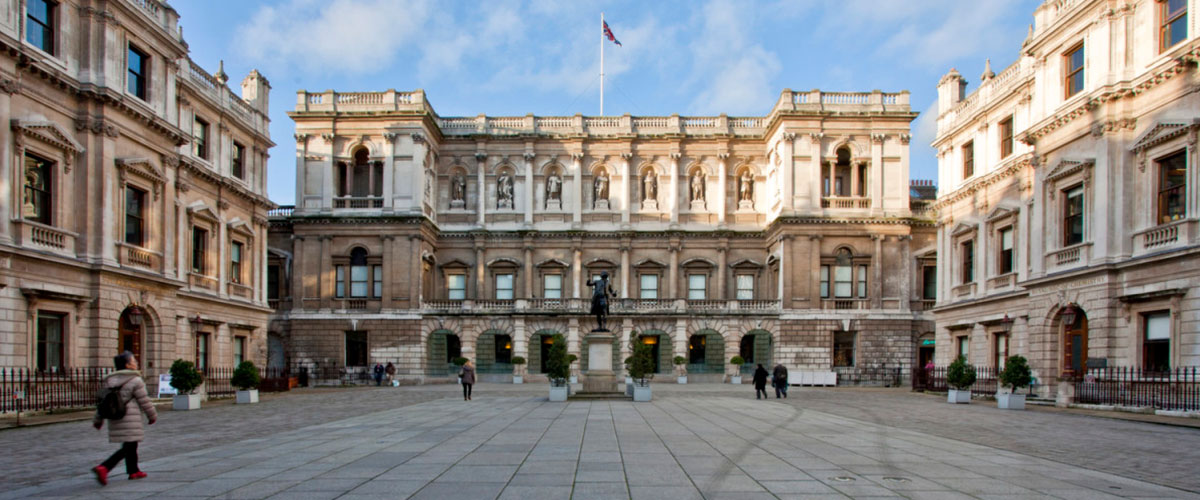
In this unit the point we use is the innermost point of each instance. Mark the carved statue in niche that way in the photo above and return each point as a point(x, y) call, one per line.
point(458, 188)
point(649, 187)
point(600, 187)
point(554, 188)
point(504, 191)
point(697, 184)
point(746, 187)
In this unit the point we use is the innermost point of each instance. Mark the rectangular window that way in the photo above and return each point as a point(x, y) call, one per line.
point(49, 341)
point(504, 349)
point(39, 25)
point(968, 152)
point(1006, 137)
point(139, 63)
point(202, 351)
point(1074, 73)
point(1000, 351)
point(968, 261)
point(135, 200)
point(1073, 216)
point(843, 282)
point(356, 348)
point(38, 198)
point(359, 281)
point(504, 287)
point(649, 286)
point(237, 161)
point(697, 347)
point(235, 262)
point(745, 287)
point(1172, 187)
point(456, 286)
point(862, 282)
point(273, 282)
point(239, 350)
point(200, 138)
point(843, 349)
point(552, 286)
point(963, 346)
point(1006, 250)
point(1172, 15)
point(377, 281)
point(199, 249)
point(697, 289)
point(1156, 344)
point(339, 281)
point(929, 282)
point(824, 282)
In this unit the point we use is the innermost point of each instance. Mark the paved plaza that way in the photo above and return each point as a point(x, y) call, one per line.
point(690, 442)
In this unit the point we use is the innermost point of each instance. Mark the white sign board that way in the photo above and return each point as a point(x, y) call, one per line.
point(164, 385)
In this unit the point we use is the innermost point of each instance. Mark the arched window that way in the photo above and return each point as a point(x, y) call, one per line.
point(365, 279)
point(362, 179)
point(843, 275)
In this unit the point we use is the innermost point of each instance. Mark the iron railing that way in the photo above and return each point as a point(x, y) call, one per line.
point(49, 389)
point(1172, 389)
point(217, 380)
point(986, 381)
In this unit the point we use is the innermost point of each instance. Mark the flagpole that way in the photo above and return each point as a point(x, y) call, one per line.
point(601, 64)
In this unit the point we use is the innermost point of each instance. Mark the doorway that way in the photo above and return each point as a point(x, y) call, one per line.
point(1075, 342)
point(129, 332)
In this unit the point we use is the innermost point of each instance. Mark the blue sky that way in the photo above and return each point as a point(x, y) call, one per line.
point(512, 58)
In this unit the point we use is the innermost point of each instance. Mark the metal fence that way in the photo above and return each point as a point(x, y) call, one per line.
point(217, 380)
point(23, 389)
point(1177, 389)
point(870, 375)
point(986, 381)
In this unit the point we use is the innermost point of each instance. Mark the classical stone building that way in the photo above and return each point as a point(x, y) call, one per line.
point(1069, 201)
point(417, 238)
point(132, 212)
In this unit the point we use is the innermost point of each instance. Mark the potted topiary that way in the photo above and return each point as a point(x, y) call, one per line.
point(458, 364)
point(246, 379)
point(571, 359)
point(1015, 375)
point(518, 363)
point(641, 370)
point(185, 378)
point(628, 377)
point(681, 368)
point(960, 376)
point(737, 362)
point(558, 369)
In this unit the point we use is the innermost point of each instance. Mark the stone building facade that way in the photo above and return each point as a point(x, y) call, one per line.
point(133, 209)
point(1067, 227)
point(417, 238)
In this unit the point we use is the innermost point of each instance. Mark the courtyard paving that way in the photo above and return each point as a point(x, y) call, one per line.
point(690, 442)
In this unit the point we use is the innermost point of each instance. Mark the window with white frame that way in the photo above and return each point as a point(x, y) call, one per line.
point(1172, 187)
point(504, 286)
point(745, 287)
point(1007, 259)
point(552, 285)
point(239, 350)
point(1073, 216)
point(200, 138)
point(138, 77)
point(1156, 341)
point(1173, 23)
point(456, 286)
point(237, 161)
point(38, 204)
point(648, 286)
point(697, 287)
point(199, 249)
point(967, 252)
point(235, 262)
point(50, 341)
point(135, 216)
point(1074, 63)
point(40, 24)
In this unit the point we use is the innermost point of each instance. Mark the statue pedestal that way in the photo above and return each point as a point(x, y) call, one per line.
point(698, 205)
point(650, 205)
point(600, 377)
point(746, 205)
point(602, 204)
point(554, 205)
point(458, 204)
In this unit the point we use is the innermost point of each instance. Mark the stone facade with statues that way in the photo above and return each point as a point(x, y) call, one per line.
point(416, 238)
point(1067, 229)
point(133, 208)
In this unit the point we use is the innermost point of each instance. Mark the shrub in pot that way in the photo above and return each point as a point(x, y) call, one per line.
point(571, 359)
point(558, 368)
point(641, 370)
point(185, 378)
point(518, 369)
point(960, 376)
point(628, 376)
point(1016, 374)
point(737, 362)
point(246, 379)
point(681, 368)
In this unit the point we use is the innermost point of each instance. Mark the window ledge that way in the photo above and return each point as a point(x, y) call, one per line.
point(963, 290)
point(40, 236)
point(1006, 280)
point(47, 57)
point(1071, 256)
point(135, 256)
point(1165, 236)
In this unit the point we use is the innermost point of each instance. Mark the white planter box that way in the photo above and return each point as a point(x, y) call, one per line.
point(559, 394)
point(1010, 401)
point(736, 380)
point(629, 389)
point(956, 396)
point(247, 397)
point(574, 379)
point(517, 379)
point(186, 402)
point(683, 379)
point(628, 380)
point(641, 394)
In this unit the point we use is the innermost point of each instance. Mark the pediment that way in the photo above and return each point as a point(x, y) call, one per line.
point(1065, 168)
point(600, 262)
point(697, 262)
point(504, 262)
point(1001, 212)
point(649, 263)
point(962, 229)
point(455, 263)
point(552, 263)
point(142, 167)
point(1162, 132)
point(50, 133)
point(746, 263)
point(238, 225)
point(200, 209)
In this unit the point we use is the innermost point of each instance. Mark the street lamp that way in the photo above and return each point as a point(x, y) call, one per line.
point(1068, 315)
point(135, 315)
point(1006, 323)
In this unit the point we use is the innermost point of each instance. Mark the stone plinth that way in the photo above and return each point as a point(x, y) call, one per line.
point(600, 377)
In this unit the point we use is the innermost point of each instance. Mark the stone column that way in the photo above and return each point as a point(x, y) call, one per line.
point(297, 272)
point(7, 159)
point(529, 157)
point(626, 191)
point(906, 285)
point(625, 244)
point(481, 188)
point(416, 276)
point(420, 156)
point(528, 268)
point(480, 265)
point(573, 340)
point(327, 180)
point(576, 269)
point(787, 285)
point(577, 189)
point(325, 279)
point(673, 270)
point(876, 288)
point(626, 342)
point(681, 339)
point(788, 167)
point(673, 202)
point(814, 274)
point(722, 179)
point(875, 180)
point(854, 166)
point(814, 177)
point(722, 256)
point(389, 256)
point(389, 171)
point(520, 342)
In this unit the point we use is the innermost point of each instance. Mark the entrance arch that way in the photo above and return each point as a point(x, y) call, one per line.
point(706, 352)
point(494, 352)
point(444, 346)
point(1074, 326)
point(131, 328)
point(660, 348)
point(755, 348)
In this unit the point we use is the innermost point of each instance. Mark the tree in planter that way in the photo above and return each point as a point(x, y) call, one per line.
point(459, 361)
point(185, 378)
point(680, 365)
point(960, 375)
point(1016, 373)
point(519, 363)
point(245, 377)
point(558, 368)
point(737, 362)
point(641, 363)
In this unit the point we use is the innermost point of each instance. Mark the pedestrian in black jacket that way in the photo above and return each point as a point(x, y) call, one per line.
point(780, 380)
point(760, 382)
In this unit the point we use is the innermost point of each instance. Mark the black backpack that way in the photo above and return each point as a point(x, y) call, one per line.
point(109, 403)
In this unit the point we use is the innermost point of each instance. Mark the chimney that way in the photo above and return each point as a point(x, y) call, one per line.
point(257, 91)
point(951, 89)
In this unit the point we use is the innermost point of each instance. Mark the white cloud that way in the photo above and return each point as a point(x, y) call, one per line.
point(735, 75)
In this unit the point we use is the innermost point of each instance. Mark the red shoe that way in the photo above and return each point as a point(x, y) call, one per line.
point(137, 475)
point(101, 474)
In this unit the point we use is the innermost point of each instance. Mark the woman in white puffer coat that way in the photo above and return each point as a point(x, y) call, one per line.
point(128, 429)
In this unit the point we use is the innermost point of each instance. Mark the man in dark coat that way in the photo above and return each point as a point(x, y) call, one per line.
point(780, 378)
point(760, 382)
point(378, 374)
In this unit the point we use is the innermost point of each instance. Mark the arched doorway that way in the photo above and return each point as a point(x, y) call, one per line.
point(755, 348)
point(1075, 340)
point(539, 350)
point(494, 352)
point(706, 352)
point(130, 328)
point(444, 346)
point(660, 349)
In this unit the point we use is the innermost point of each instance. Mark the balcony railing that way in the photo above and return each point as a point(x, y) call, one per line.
point(241, 291)
point(1006, 280)
point(1165, 236)
point(358, 202)
point(616, 306)
point(963, 290)
point(134, 256)
point(201, 281)
point(1069, 257)
point(43, 237)
point(843, 304)
point(846, 202)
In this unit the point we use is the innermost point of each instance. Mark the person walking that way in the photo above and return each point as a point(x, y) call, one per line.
point(780, 381)
point(760, 382)
point(390, 370)
point(378, 374)
point(468, 379)
point(126, 430)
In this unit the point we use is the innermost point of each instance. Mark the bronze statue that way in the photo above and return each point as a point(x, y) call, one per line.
point(601, 289)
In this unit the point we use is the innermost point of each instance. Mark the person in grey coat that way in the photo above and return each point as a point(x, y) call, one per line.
point(468, 379)
point(127, 430)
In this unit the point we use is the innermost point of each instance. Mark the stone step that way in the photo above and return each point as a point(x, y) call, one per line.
point(599, 396)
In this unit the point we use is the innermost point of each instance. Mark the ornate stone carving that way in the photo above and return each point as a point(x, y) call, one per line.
point(746, 187)
point(9, 86)
point(649, 186)
point(504, 191)
point(458, 187)
point(600, 187)
point(697, 186)
point(878, 138)
point(529, 156)
point(328, 138)
point(553, 188)
point(905, 138)
point(816, 137)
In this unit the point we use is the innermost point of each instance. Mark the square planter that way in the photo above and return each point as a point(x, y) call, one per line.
point(956, 396)
point(628, 380)
point(735, 380)
point(641, 393)
point(517, 379)
point(185, 402)
point(629, 389)
point(574, 379)
point(1010, 401)
point(683, 379)
point(559, 394)
point(247, 397)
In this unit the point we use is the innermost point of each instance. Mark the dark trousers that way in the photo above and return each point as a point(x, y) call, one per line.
point(128, 452)
point(467, 390)
point(760, 392)
point(780, 389)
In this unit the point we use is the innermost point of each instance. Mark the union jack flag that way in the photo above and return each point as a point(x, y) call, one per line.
point(608, 34)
